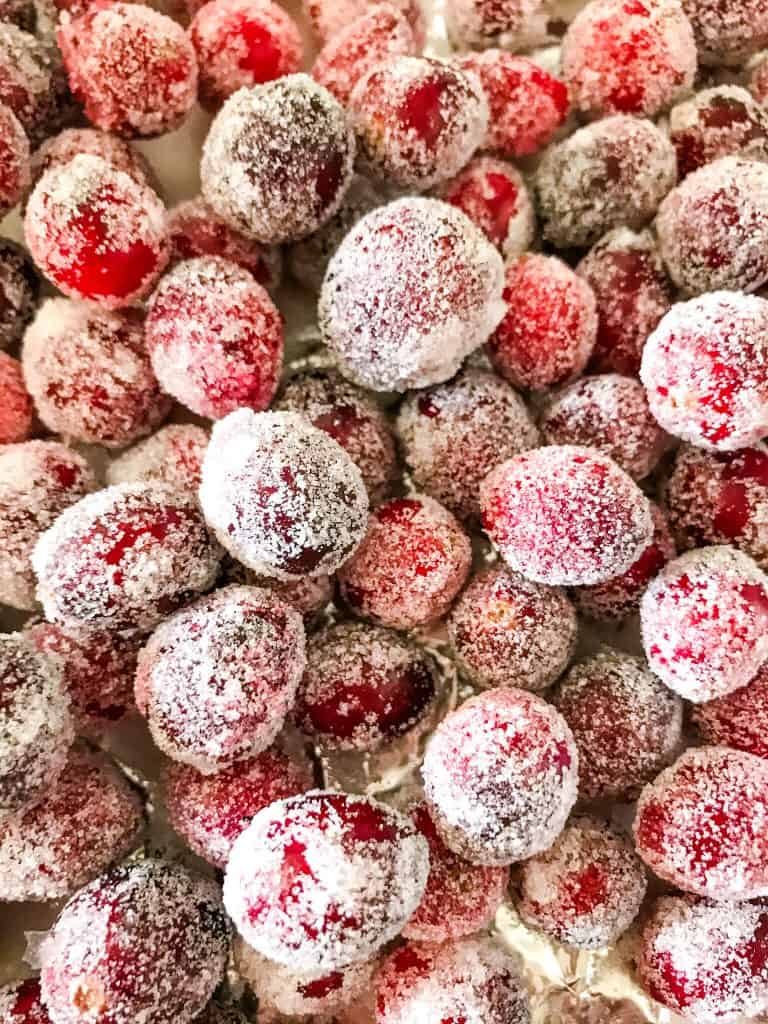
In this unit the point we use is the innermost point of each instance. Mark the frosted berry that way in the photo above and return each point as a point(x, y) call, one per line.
point(511, 24)
point(19, 288)
point(721, 121)
point(565, 515)
point(507, 631)
point(330, 17)
point(172, 455)
point(700, 825)
point(309, 595)
point(22, 1003)
point(500, 777)
point(60, 149)
point(417, 121)
point(411, 565)
point(14, 159)
point(283, 497)
point(728, 34)
point(401, 311)
point(738, 720)
point(124, 558)
point(278, 159)
point(215, 337)
point(586, 890)
point(324, 880)
point(29, 80)
point(16, 408)
point(758, 81)
point(96, 233)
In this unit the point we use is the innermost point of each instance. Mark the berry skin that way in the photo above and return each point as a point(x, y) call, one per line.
point(738, 720)
point(14, 159)
point(16, 408)
point(722, 121)
point(22, 1003)
point(172, 455)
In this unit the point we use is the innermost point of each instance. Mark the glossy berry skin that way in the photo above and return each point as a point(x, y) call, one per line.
point(721, 121)
point(22, 1003)
point(738, 720)
point(16, 408)
point(727, 35)
point(14, 159)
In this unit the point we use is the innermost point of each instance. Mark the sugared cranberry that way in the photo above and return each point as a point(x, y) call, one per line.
point(612, 173)
point(284, 498)
point(565, 515)
point(324, 880)
point(86, 820)
point(738, 720)
point(14, 159)
point(330, 17)
point(701, 824)
point(633, 293)
point(96, 233)
point(124, 558)
point(215, 337)
point(586, 890)
point(500, 777)
point(19, 288)
point(507, 631)
point(411, 565)
point(132, 68)
point(417, 121)
point(278, 159)
point(722, 121)
point(64, 147)
point(511, 24)
point(16, 408)
point(309, 595)
point(22, 1003)
point(728, 33)
point(173, 455)
point(145, 940)
point(29, 80)
point(758, 81)
point(221, 1013)
point(400, 310)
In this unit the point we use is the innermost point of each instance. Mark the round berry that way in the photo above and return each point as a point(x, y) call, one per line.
point(215, 337)
point(19, 289)
point(278, 159)
point(507, 631)
point(124, 558)
point(173, 455)
point(29, 80)
point(330, 17)
point(22, 1003)
point(309, 595)
point(728, 33)
point(565, 515)
point(738, 720)
point(613, 173)
point(284, 498)
point(399, 310)
point(412, 563)
point(132, 68)
point(16, 408)
point(511, 24)
point(721, 121)
point(96, 233)
point(61, 149)
point(700, 825)
point(758, 81)
point(14, 159)
point(324, 880)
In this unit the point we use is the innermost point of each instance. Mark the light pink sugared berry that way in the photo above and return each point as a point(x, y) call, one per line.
point(172, 455)
point(16, 408)
point(738, 720)
point(330, 17)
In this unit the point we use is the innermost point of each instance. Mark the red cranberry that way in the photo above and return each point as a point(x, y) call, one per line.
point(16, 408)
point(309, 595)
point(14, 159)
point(29, 80)
point(19, 288)
point(22, 1003)
point(173, 455)
point(738, 720)
point(717, 122)
point(330, 17)
point(728, 33)
point(511, 24)
point(61, 149)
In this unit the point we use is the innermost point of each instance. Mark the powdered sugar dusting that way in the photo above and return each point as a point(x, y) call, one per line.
point(728, 33)
point(511, 24)
point(718, 122)
point(172, 455)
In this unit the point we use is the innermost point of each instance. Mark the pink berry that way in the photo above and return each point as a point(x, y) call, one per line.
point(148, 940)
point(330, 17)
point(96, 233)
point(14, 159)
point(132, 68)
point(172, 455)
point(728, 34)
point(586, 890)
point(507, 631)
point(417, 121)
point(758, 81)
point(411, 565)
point(721, 121)
point(324, 880)
point(565, 515)
point(510, 24)
point(19, 288)
point(633, 293)
point(500, 777)
point(210, 811)
point(215, 337)
point(548, 332)
point(124, 558)
point(87, 819)
point(29, 80)
point(399, 311)
point(16, 408)
point(284, 498)
point(309, 595)
point(22, 1003)
point(278, 160)
point(61, 149)
point(38, 481)
point(738, 720)
point(241, 43)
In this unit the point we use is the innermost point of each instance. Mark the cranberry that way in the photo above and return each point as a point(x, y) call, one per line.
point(309, 595)
point(19, 288)
point(16, 408)
point(14, 159)
point(728, 33)
point(173, 455)
point(29, 82)
point(738, 720)
point(330, 17)
point(758, 81)
point(61, 149)
point(717, 122)
point(22, 1003)
point(511, 24)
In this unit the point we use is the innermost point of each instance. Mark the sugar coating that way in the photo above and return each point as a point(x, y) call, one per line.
point(323, 880)
point(124, 558)
point(38, 481)
point(350, 416)
point(172, 455)
point(16, 408)
point(62, 148)
point(713, 229)
point(411, 291)
point(453, 434)
point(758, 81)
point(704, 959)
point(722, 121)
point(278, 159)
point(21, 1003)
point(626, 274)
point(283, 497)
point(215, 337)
point(527, 105)
point(738, 720)
point(587, 889)
point(364, 686)
point(727, 34)
point(86, 820)
point(510, 24)
point(612, 173)
point(701, 825)
point(28, 80)
point(565, 515)
point(96, 233)
point(500, 777)
point(89, 374)
point(411, 565)
point(460, 898)
point(548, 331)
point(145, 943)
point(19, 287)
point(493, 194)
point(216, 680)
point(210, 811)
point(133, 68)
point(507, 631)
point(473, 980)
point(330, 17)
point(307, 594)
point(14, 159)
point(417, 121)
